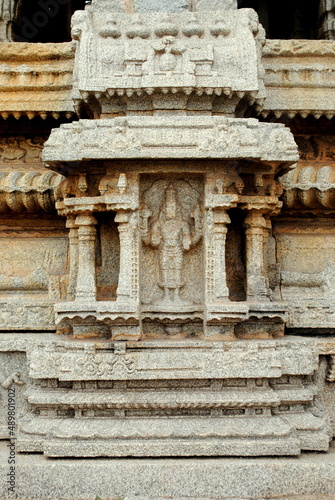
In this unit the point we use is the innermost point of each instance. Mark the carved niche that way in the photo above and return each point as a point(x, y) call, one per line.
point(171, 231)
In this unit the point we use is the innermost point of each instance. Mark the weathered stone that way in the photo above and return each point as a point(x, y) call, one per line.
point(262, 397)
point(308, 478)
point(306, 279)
point(309, 187)
point(297, 78)
point(30, 191)
point(42, 74)
point(111, 5)
point(161, 6)
point(216, 4)
point(181, 55)
point(298, 58)
point(327, 19)
point(178, 261)
point(164, 137)
point(7, 13)
point(32, 262)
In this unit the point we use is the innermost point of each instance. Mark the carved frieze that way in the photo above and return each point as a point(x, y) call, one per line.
point(174, 360)
point(164, 137)
point(43, 74)
point(227, 394)
point(21, 149)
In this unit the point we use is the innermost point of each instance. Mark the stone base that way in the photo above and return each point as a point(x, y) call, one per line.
point(165, 399)
point(310, 477)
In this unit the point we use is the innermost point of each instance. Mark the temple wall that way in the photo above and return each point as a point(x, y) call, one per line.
point(167, 256)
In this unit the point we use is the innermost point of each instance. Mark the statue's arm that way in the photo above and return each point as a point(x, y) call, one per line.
point(186, 235)
point(156, 236)
point(198, 226)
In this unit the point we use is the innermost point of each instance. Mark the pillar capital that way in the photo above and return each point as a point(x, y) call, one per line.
point(71, 222)
point(220, 217)
point(268, 206)
point(123, 216)
point(86, 220)
point(255, 220)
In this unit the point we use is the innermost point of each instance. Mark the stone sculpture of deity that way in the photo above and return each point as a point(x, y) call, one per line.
point(171, 233)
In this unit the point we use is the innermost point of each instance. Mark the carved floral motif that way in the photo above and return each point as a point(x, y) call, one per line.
point(22, 149)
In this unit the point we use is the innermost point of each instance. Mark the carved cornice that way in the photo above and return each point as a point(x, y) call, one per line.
point(164, 137)
point(299, 78)
point(31, 191)
point(309, 187)
point(292, 48)
point(36, 78)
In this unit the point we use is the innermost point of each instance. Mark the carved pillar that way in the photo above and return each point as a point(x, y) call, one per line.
point(7, 12)
point(327, 19)
point(73, 256)
point(220, 221)
point(129, 255)
point(217, 204)
point(256, 236)
point(86, 278)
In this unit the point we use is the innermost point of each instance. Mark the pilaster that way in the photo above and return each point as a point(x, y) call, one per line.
point(73, 256)
point(256, 231)
point(86, 277)
point(128, 287)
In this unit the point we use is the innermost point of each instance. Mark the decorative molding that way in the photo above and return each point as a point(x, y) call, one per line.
point(290, 48)
point(27, 191)
point(299, 78)
point(163, 137)
point(42, 75)
point(175, 360)
point(27, 315)
point(309, 187)
point(240, 393)
point(49, 67)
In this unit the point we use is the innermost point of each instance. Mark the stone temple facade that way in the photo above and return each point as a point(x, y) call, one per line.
point(167, 262)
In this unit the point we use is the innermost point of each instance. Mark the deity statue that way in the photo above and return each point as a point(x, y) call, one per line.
point(172, 235)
